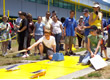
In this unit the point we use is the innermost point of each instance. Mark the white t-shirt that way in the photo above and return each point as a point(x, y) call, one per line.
point(47, 22)
point(56, 27)
point(47, 43)
point(18, 21)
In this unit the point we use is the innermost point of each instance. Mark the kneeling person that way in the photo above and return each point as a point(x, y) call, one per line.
point(46, 44)
point(94, 42)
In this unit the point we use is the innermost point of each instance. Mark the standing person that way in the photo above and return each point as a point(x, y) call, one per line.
point(103, 46)
point(80, 31)
point(38, 31)
point(17, 23)
point(47, 20)
point(30, 29)
point(46, 45)
point(22, 34)
point(86, 26)
point(61, 44)
point(96, 17)
point(18, 20)
point(5, 35)
point(11, 32)
point(57, 31)
point(94, 42)
point(69, 32)
point(108, 45)
point(53, 13)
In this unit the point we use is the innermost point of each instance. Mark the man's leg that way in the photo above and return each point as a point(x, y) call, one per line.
point(41, 48)
point(70, 45)
point(66, 45)
point(86, 41)
point(108, 45)
point(86, 58)
point(57, 42)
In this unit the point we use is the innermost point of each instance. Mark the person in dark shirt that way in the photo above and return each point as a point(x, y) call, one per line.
point(30, 29)
point(22, 34)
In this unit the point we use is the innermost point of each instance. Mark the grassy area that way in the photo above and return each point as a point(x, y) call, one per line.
point(11, 59)
point(100, 74)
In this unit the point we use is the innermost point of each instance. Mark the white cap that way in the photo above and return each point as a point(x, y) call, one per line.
point(96, 5)
point(81, 16)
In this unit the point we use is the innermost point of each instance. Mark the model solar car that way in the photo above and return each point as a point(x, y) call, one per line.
point(38, 73)
point(12, 68)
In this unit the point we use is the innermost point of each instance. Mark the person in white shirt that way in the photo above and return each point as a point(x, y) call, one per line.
point(57, 31)
point(46, 45)
point(18, 20)
point(47, 20)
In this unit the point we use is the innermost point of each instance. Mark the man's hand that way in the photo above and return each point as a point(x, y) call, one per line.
point(64, 33)
point(84, 27)
point(75, 35)
point(19, 31)
point(92, 55)
point(33, 34)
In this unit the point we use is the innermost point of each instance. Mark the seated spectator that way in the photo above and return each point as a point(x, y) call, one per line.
point(46, 45)
point(94, 42)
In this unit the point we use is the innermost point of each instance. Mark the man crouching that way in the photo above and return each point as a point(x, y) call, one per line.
point(46, 44)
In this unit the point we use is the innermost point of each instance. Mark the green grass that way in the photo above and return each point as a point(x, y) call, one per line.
point(81, 77)
point(97, 74)
point(109, 78)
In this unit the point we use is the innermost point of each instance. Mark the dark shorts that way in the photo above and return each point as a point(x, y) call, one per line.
point(47, 50)
point(86, 39)
point(103, 47)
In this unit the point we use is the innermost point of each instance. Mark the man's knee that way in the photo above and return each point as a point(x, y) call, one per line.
point(40, 45)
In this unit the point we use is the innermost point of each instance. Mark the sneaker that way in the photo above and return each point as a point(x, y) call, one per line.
point(72, 53)
point(67, 53)
point(25, 55)
point(5, 54)
point(41, 57)
point(19, 55)
point(80, 47)
point(35, 54)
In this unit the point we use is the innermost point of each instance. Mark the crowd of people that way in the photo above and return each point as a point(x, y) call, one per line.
point(48, 31)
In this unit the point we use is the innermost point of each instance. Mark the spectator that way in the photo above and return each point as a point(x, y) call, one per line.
point(22, 34)
point(11, 32)
point(103, 46)
point(17, 23)
point(53, 13)
point(61, 45)
point(5, 35)
point(18, 20)
point(69, 32)
point(96, 17)
point(47, 20)
point(30, 29)
point(46, 45)
point(80, 31)
point(38, 31)
point(57, 31)
point(108, 45)
point(86, 26)
point(94, 42)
